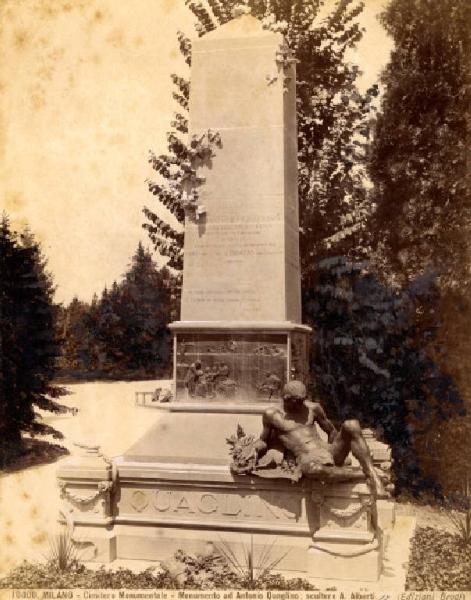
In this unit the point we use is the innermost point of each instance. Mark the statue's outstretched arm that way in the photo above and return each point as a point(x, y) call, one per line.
point(319, 416)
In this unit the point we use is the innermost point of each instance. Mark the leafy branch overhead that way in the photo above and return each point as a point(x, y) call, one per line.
point(333, 129)
point(179, 194)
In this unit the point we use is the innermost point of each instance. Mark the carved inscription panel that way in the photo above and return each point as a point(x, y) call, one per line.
point(213, 505)
point(234, 271)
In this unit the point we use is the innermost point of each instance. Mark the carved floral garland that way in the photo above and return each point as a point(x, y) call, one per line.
point(103, 487)
point(346, 513)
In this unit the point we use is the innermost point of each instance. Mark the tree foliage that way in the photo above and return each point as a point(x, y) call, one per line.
point(333, 128)
point(28, 345)
point(419, 154)
point(124, 332)
point(374, 359)
point(418, 165)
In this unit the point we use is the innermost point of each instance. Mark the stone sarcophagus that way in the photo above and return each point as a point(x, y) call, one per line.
point(160, 508)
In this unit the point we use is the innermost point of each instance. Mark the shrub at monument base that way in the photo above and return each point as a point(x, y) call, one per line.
point(438, 561)
point(30, 575)
point(216, 569)
point(204, 572)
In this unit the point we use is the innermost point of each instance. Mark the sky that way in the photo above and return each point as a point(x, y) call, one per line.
point(85, 92)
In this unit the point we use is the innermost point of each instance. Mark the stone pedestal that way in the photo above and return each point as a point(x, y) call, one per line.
point(86, 488)
point(344, 544)
point(169, 504)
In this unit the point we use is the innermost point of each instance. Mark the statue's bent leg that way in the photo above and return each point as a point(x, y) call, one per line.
point(350, 437)
point(328, 473)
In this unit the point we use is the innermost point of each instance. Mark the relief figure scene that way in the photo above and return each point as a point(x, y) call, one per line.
point(224, 367)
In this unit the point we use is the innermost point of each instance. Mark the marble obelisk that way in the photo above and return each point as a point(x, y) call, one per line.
point(240, 336)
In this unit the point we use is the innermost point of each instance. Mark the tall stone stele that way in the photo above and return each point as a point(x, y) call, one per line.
point(240, 326)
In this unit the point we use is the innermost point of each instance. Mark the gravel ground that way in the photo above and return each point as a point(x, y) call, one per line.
point(29, 499)
point(427, 516)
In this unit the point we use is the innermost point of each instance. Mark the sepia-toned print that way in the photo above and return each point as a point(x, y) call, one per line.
point(238, 370)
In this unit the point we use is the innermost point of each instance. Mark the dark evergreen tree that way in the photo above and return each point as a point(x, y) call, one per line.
point(90, 343)
point(374, 360)
point(422, 189)
point(333, 127)
point(124, 332)
point(28, 344)
point(108, 332)
point(73, 332)
point(419, 155)
point(145, 302)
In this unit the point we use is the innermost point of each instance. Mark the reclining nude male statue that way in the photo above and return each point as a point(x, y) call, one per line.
point(294, 429)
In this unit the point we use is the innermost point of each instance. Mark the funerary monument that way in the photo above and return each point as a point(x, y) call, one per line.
point(240, 340)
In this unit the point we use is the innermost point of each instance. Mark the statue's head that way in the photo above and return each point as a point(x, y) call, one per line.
point(294, 393)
